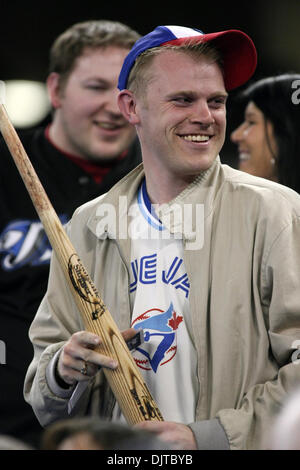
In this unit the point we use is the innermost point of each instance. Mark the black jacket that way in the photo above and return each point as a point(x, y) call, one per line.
point(24, 260)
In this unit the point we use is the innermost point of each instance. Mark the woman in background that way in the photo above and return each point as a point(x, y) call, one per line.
point(269, 138)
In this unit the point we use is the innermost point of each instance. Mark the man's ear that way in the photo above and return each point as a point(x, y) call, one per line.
point(54, 91)
point(127, 105)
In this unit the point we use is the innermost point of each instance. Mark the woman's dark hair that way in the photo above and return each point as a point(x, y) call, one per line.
point(277, 98)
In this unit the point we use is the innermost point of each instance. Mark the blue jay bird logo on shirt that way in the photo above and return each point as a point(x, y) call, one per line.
point(160, 333)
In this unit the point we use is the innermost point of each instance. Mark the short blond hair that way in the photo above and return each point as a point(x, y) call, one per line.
point(140, 75)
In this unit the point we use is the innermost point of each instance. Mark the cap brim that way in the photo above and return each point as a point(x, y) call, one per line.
point(238, 52)
point(237, 49)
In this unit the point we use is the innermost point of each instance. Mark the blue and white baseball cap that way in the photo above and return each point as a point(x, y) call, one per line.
point(237, 49)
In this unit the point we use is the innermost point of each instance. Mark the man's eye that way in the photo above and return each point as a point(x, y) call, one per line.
point(96, 86)
point(182, 100)
point(218, 102)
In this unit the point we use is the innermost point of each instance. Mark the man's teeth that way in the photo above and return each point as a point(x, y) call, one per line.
point(196, 138)
point(107, 125)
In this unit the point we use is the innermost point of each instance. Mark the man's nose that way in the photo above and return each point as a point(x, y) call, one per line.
point(111, 102)
point(203, 114)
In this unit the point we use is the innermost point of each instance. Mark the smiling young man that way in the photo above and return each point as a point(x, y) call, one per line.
point(220, 319)
point(181, 129)
point(86, 149)
point(87, 122)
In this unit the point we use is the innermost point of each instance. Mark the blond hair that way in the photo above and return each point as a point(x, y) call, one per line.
point(140, 74)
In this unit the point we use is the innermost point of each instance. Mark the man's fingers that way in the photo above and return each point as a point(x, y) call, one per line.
point(80, 359)
point(87, 339)
point(75, 357)
point(99, 360)
point(155, 426)
point(129, 333)
point(179, 435)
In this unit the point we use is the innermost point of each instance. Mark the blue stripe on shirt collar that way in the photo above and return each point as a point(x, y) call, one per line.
point(147, 209)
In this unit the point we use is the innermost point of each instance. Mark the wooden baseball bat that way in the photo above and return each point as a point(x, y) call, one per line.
point(126, 382)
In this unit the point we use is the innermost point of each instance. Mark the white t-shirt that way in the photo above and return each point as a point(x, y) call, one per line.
point(159, 296)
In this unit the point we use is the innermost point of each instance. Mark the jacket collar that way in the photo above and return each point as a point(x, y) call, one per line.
point(109, 218)
point(114, 205)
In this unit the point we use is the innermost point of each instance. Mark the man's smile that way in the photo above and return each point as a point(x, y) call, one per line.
point(196, 137)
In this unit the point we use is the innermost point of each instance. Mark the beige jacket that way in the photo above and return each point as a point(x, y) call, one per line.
point(244, 300)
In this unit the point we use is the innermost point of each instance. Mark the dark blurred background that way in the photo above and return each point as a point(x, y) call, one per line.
point(28, 28)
